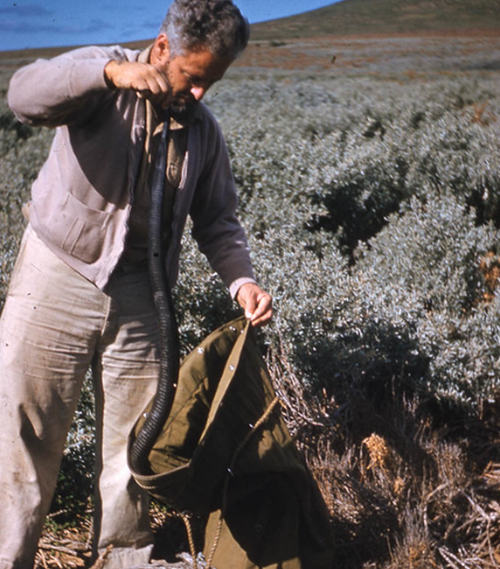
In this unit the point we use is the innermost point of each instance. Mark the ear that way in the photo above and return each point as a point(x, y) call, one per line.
point(160, 52)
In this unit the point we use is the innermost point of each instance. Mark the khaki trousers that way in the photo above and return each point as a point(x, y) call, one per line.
point(55, 325)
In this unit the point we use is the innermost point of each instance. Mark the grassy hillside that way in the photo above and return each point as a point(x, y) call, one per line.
point(362, 17)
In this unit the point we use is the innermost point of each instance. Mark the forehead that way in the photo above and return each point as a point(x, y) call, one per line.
point(202, 63)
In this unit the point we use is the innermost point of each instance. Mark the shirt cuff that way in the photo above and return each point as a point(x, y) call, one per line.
point(235, 286)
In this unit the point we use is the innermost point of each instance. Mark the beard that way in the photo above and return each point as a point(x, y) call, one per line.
point(182, 108)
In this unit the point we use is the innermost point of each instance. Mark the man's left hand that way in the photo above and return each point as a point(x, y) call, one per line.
point(256, 303)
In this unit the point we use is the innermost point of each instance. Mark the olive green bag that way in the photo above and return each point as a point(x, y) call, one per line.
point(225, 451)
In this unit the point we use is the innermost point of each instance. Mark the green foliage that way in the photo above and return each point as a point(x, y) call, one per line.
point(369, 207)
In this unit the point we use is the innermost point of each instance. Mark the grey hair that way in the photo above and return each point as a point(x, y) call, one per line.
point(216, 25)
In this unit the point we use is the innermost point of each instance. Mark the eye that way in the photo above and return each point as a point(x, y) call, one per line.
point(190, 79)
point(196, 81)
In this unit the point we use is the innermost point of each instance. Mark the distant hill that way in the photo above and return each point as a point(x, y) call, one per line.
point(386, 17)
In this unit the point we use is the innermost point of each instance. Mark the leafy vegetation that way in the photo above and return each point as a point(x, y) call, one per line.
point(372, 211)
point(373, 214)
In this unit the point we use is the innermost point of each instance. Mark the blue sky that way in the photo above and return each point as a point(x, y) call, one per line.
point(49, 23)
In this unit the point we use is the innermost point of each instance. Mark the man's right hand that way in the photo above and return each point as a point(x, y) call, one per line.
point(143, 78)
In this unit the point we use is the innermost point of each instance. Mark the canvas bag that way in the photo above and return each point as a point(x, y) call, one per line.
point(225, 450)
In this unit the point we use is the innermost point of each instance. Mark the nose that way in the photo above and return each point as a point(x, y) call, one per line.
point(198, 92)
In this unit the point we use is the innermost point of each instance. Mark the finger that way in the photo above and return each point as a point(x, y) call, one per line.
point(143, 93)
point(160, 99)
point(263, 311)
point(261, 320)
point(157, 90)
point(147, 87)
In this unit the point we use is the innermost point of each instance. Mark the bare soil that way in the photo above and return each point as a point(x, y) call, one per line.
point(374, 55)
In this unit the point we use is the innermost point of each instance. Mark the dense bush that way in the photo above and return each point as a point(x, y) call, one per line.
point(372, 208)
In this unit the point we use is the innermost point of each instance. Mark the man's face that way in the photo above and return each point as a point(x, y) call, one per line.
point(189, 75)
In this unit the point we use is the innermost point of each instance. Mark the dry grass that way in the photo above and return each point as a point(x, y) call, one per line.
point(409, 56)
point(65, 547)
point(490, 268)
point(409, 484)
point(71, 547)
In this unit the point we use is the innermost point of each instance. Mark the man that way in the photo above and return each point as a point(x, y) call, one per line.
point(80, 293)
